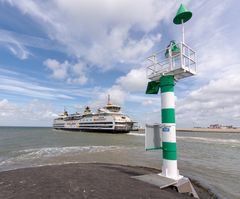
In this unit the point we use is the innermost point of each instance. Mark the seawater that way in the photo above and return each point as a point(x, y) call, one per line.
point(213, 159)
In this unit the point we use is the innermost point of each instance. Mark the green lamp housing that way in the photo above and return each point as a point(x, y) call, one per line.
point(174, 49)
point(183, 15)
point(153, 87)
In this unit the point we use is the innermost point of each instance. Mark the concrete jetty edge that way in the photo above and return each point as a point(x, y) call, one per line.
point(86, 180)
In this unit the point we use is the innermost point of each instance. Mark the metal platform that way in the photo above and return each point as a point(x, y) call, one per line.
point(157, 180)
point(180, 64)
point(183, 184)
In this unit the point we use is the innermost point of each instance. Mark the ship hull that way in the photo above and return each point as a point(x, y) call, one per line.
point(96, 123)
point(108, 119)
point(111, 131)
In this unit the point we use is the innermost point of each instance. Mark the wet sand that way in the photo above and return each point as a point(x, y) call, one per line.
point(89, 180)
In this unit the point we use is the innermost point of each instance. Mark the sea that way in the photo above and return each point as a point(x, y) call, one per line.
point(212, 159)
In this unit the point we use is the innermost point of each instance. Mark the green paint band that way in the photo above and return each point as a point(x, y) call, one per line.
point(168, 88)
point(167, 80)
point(169, 146)
point(151, 149)
point(168, 115)
point(169, 155)
point(169, 150)
point(167, 83)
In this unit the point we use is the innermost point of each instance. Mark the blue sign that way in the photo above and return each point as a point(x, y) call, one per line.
point(165, 129)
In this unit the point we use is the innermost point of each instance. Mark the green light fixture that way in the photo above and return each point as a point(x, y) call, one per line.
point(183, 15)
point(152, 87)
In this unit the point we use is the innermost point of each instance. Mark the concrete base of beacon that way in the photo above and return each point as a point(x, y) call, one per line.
point(182, 184)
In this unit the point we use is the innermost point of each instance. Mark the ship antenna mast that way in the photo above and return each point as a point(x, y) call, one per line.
point(109, 101)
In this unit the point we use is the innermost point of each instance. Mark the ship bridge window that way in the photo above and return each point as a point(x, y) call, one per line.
point(114, 109)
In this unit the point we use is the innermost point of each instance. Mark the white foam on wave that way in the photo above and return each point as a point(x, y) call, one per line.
point(137, 134)
point(48, 152)
point(55, 151)
point(209, 140)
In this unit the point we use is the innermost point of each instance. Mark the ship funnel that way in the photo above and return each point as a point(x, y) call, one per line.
point(109, 100)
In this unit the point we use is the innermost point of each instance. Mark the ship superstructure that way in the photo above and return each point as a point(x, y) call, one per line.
point(107, 119)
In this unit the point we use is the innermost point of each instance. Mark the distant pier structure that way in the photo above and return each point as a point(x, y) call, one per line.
point(164, 69)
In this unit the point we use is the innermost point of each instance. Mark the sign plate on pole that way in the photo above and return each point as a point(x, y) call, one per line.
point(153, 137)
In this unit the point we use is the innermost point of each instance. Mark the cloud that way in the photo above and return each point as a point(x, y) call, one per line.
point(72, 73)
point(207, 96)
point(13, 44)
point(17, 43)
point(16, 84)
point(32, 113)
point(6, 107)
point(14, 38)
point(59, 69)
point(118, 34)
point(97, 32)
point(19, 84)
point(117, 94)
point(15, 47)
point(216, 102)
point(78, 70)
point(134, 81)
point(19, 51)
point(147, 102)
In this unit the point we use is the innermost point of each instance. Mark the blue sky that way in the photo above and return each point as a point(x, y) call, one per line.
point(56, 54)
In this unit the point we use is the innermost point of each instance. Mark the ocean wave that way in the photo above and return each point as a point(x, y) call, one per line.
point(54, 151)
point(209, 140)
point(137, 134)
point(48, 152)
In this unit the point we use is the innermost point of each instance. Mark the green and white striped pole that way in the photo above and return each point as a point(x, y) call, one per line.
point(169, 168)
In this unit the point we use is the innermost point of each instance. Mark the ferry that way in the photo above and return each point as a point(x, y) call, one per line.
point(107, 119)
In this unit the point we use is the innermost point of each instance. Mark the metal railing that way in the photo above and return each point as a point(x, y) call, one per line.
point(167, 62)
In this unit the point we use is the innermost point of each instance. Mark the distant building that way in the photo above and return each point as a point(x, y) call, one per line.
point(219, 126)
point(214, 126)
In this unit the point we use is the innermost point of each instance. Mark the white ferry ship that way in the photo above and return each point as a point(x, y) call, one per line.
point(107, 119)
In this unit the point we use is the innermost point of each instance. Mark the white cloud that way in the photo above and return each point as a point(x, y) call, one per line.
point(19, 51)
point(215, 98)
point(6, 108)
point(78, 70)
point(134, 81)
point(10, 38)
point(98, 31)
point(117, 34)
point(18, 84)
point(33, 113)
point(13, 44)
point(216, 102)
point(59, 69)
point(147, 102)
point(72, 73)
point(135, 49)
point(117, 95)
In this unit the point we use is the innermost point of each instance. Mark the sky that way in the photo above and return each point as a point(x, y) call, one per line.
point(57, 54)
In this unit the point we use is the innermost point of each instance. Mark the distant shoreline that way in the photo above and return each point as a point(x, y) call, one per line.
point(211, 130)
point(201, 130)
point(142, 130)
